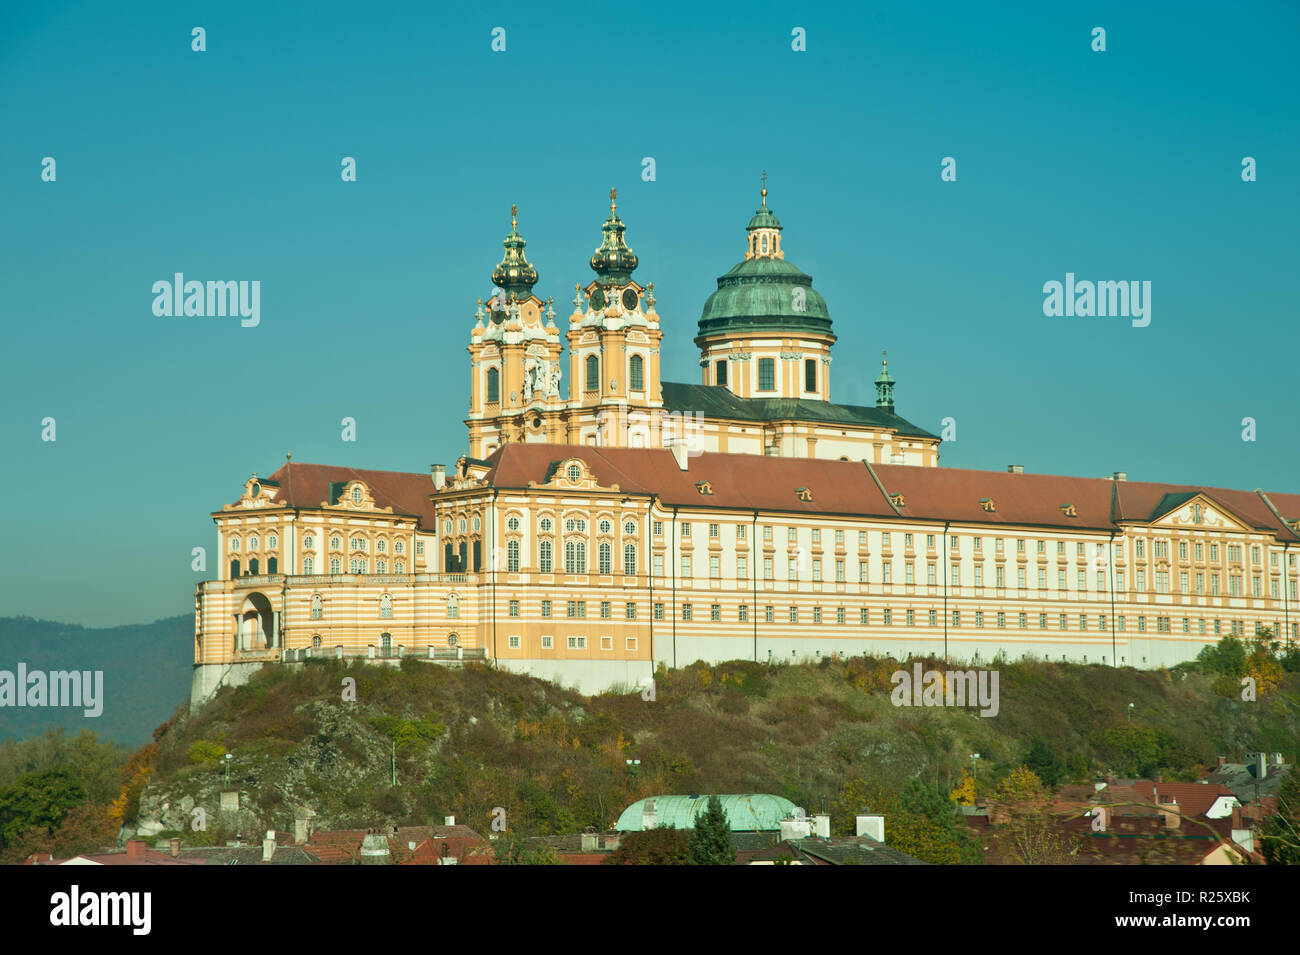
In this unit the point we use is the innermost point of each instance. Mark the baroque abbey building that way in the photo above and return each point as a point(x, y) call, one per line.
point(597, 530)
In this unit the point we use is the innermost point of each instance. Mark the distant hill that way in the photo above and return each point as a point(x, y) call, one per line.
point(147, 669)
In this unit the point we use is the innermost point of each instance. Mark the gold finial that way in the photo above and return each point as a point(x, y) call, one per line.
point(514, 216)
point(764, 190)
point(883, 362)
point(288, 456)
point(613, 194)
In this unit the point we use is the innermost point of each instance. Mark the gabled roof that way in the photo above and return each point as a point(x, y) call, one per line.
point(305, 486)
point(1194, 799)
point(718, 401)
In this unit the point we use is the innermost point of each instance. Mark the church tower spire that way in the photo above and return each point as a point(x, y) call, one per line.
point(884, 387)
point(513, 274)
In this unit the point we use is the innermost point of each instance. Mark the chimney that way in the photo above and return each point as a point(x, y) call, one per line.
point(439, 473)
point(590, 842)
point(649, 815)
point(821, 826)
point(449, 820)
point(268, 846)
point(374, 849)
point(1261, 766)
point(796, 827)
point(136, 848)
point(871, 826)
point(1120, 476)
point(678, 447)
point(176, 848)
point(1015, 469)
point(1172, 819)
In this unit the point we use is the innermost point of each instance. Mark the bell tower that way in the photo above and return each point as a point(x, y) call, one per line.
point(514, 358)
point(614, 341)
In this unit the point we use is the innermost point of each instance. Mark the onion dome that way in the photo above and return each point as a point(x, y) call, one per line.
point(514, 275)
point(765, 292)
point(613, 261)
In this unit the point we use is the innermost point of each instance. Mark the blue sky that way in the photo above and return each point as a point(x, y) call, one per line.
point(225, 165)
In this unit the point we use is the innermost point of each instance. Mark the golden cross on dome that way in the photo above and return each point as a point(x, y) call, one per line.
point(613, 194)
point(514, 215)
point(883, 362)
point(764, 190)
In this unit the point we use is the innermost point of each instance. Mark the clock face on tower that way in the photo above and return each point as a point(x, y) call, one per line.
point(629, 299)
point(597, 299)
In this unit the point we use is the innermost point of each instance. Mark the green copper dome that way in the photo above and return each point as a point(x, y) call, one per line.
point(614, 262)
point(765, 293)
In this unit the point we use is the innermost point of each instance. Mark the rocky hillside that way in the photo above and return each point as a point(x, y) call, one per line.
point(467, 741)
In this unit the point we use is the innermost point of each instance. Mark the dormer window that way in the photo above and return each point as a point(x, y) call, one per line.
point(255, 489)
point(574, 473)
point(356, 494)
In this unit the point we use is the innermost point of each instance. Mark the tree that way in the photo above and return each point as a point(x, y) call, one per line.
point(38, 801)
point(1044, 764)
point(1280, 841)
point(710, 840)
point(662, 846)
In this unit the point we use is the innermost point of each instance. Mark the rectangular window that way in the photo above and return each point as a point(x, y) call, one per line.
point(934, 618)
point(658, 565)
point(743, 612)
point(979, 575)
point(1002, 620)
point(630, 610)
point(1020, 546)
point(1083, 621)
point(713, 531)
point(862, 616)
point(911, 618)
point(955, 579)
point(1141, 580)
point(769, 614)
point(794, 614)
point(817, 614)
point(1101, 580)
point(686, 611)
point(1142, 624)
point(767, 568)
point(1020, 577)
point(1082, 579)
point(767, 532)
point(630, 643)
point(1024, 621)
point(792, 569)
point(1042, 621)
point(907, 541)
point(767, 374)
point(889, 616)
point(792, 534)
point(715, 612)
point(884, 539)
point(686, 565)
point(513, 642)
point(1000, 576)
point(929, 541)
point(810, 374)
point(817, 568)
point(862, 571)
point(659, 528)
point(908, 575)
point(956, 619)
point(886, 571)
point(546, 608)
point(571, 608)
point(720, 373)
point(816, 535)
point(686, 530)
point(606, 611)
point(1061, 622)
point(839, 615)
point(1119, 579)
point(979, 544)
point(862, 540)
point(577, 643)
point(1182, 582)
point(930, 574)
point(979, 618)
point(839, 571)
point(1060, 580)
point(548, 642)
point(1042, 578)
point(1137, 548)
point(839, 538)
point(514, 608)
point(659, 611)
point(740, 532)
point(952, 542)
point(742, 568)
point(715, 568)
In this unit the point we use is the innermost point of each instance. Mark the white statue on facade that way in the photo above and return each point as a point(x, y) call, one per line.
point(530, 372)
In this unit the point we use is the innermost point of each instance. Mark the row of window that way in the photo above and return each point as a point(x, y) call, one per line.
point(335, 543)
point(574, 642)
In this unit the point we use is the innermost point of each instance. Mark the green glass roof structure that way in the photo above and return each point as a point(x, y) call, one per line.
point(746, 812)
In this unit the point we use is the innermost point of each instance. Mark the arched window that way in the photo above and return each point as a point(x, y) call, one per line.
point(452, 640)
point(381, 546)
point(399, 567)
point(629, 559)
point(336, 543)
point(573, 474)
point(606, 559)
point(544, 557)
point(636, 373)
point(493, 385)
point(575, 557)
point(765, 242)
point(453, 606)
point(308, 565)
point(315, 642)
point(272, 565)
point(253, 567)
point(512, 556)
point(381, 566)
point(357, 565)
point(356, 494)
point(386, 644)
point(252, 542)
point(308, 542)
point(593, 373)
point(317, 606)
point(234, 569)
point(399, 547)
point(234, 543)
point(385, 607)
point(336, 565)
point(272, 542)
point(358, 543)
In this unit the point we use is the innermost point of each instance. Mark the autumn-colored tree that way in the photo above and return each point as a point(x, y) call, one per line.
point(135, 776)
point(662, 846)
point(964, 793)
point(1028, 832)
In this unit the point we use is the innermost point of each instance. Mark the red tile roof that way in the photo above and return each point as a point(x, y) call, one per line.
point(748, 481)
point(1194, 799)
point(306, 485)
